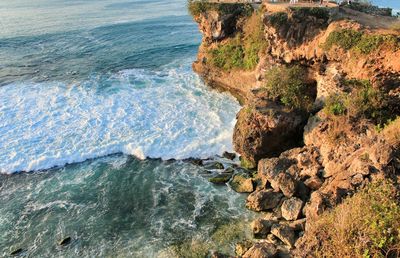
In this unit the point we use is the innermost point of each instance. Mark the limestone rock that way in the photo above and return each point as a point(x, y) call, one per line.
point(273, 170)
point(315, 206)
point(262, 200)
point(291, 208)
point(314, 183)
point(266, 129)
point(261, 250)
point(261, 227)
point(284, 233)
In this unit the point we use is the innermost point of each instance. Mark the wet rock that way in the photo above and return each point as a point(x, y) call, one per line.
point(65, 241)
point(16, 252)
point(197, 162)
point(262, 200)
point(229, 170)
point(214, 165)
point(242, 247)
point(261, 227)
point(265, 129)
point(284, 233)
point(291, 208)
point(229, 155)
point(222, 178)
point(261, 250)
point(241, 183)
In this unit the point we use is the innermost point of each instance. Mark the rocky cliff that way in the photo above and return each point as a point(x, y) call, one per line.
point(320, 88)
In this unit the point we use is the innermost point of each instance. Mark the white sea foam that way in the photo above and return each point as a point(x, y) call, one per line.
point(167, 114)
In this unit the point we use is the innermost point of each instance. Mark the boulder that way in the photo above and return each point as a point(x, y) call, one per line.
point(262, 200)
point(315, 206)
point(261, 227)
point(284, 233)
point(314, 183)
point(273, 170)
point(261, 250)
point(241, 183)
point(265, 129)
point(298, 225)
point(291, 208)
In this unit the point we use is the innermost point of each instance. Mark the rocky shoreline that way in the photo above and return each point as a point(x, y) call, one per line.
point(310, 150)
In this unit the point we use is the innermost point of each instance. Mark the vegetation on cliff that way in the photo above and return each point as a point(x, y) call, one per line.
point(288, 85)
point(198, 7)
point(364, 225)
point(362, 102)
point(243, 50)
point(349, 39)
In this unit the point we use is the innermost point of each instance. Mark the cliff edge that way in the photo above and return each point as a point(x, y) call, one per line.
point(320, 88)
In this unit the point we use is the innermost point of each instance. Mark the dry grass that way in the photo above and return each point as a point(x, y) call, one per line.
point(365, 225)
point(391, 132)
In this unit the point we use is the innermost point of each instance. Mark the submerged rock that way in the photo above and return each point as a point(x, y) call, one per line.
point(262, 200)
point(65, 241)
point(214, 165)
point(222, 178)
point(16, 252)
point(242, 247)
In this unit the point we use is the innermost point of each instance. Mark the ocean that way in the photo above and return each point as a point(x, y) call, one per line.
point(96, 96)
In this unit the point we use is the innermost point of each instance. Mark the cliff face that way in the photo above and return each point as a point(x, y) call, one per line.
point(319, 87)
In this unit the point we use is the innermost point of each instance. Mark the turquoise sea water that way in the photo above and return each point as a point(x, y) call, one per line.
point(88, 90)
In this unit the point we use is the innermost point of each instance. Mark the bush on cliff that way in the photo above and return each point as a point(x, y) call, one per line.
point(364, 225)
point(197, 7)
point(360, 42)
point(288, 85)
point(363, 101)
point(242, 51)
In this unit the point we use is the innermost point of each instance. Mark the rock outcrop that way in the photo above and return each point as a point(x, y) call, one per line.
point(307, 159)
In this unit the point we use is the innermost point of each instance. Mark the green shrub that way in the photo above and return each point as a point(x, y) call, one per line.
point(288, 85)
point(345, 39)
point(229, 55)
point(197, 7)
point(349, 39)
point(317, 12)
point(364, 225)
point(335, 105)
point(363, 101)
point(241, 52)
